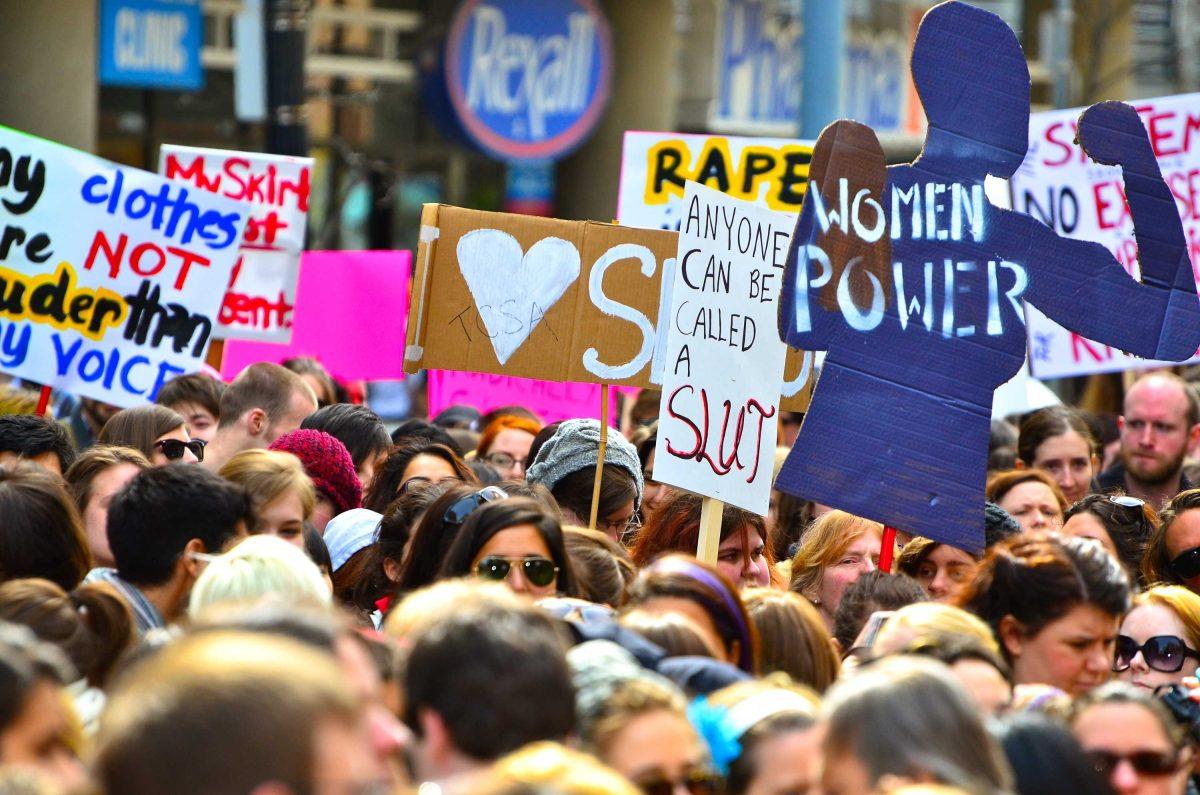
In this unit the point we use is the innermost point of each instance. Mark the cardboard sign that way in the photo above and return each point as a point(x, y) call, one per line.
point(724, 361)
point(550, 400)
point(111, 277)
point(351, 310)
point(262, 296)
point(546, 299)
point(1078, 198)
point(771, 172)
point(913, 283)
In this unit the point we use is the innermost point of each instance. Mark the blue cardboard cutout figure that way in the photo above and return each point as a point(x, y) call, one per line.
point(913, 282)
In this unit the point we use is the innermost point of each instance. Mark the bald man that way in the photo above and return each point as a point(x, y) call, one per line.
point(1161, 421)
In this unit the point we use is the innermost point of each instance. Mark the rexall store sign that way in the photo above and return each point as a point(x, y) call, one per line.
point(151, 43)
point(528, 79)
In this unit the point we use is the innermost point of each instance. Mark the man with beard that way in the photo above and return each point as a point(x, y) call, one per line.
point(1161, 420)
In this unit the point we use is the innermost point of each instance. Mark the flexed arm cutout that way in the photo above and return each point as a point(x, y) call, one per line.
point(1082, 287)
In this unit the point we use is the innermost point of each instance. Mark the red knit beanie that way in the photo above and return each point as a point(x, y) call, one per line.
point(328, 463)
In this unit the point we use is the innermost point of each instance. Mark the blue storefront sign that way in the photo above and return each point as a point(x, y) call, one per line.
point(759, 70)
point(529, 79)
point(151, 44)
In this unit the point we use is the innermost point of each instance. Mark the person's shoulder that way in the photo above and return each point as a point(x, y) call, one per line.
point(1112, 478)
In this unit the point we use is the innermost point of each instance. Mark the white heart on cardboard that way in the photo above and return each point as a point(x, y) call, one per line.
point(513, 289)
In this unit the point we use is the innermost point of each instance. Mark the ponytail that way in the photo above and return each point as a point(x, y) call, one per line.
point(110, 626)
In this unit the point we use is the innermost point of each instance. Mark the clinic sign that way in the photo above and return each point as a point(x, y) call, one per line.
point(528, 79)
point(151, 44)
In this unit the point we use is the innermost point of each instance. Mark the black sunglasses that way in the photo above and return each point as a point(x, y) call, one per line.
point(696, 782)
point(1148, 763)
point(457, 513)
point(1165, 653)
point(1187, 564)
point(539, 571)
point(173, 448)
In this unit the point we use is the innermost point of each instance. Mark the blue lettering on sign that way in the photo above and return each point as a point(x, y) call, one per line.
point(759, 68)
point(151, 44)
point(529, 78)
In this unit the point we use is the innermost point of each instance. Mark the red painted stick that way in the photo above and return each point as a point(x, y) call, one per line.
point(43, 401)
point(885, 553)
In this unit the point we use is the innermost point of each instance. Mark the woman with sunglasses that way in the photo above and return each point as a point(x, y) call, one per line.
point(1122, 524)
point(158, 432)
point(1159, 640)
point(1173, 554)
point(1133, 740)
point(417, 462)
point(515, 542)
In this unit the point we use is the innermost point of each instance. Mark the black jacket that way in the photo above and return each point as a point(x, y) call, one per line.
point(1114, 478)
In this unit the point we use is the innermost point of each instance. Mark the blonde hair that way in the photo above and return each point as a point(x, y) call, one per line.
point(1179, 600)
point(426, 605)
point(550, 766)
point(823, 544)
point(267, 474)
point(932, 621)
point(259, 567)
point(632, 699)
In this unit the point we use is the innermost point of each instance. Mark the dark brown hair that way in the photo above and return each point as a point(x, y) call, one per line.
point(140, 427)
point(574, 491)
point(91, 624)
point(1156, 564)
point(1038, 578)
point(1047, 423)
point(386, 485)
point(41, 533)
point(198, 388)
point(1130, 528)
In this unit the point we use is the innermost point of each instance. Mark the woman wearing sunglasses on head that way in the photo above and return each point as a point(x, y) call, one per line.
point(436, 531)
point(1133, 740)
point(1173, 554)
point(1159, 639)
point(158, 432)
point(1122, 524)
point(515, 542)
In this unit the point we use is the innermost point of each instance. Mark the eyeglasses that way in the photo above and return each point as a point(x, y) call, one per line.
point(502, 461)
point(1148, 763)
point(457, 513)
point(1187, 564)
point(623, 528)
point(539, 571)
point(173, 448)
point(1165, 653)
point(696, 782)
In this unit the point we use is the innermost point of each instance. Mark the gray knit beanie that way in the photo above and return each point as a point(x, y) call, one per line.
point(598, 669)
point(574, 446)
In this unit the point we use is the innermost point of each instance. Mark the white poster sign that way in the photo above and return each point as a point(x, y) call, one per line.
point(724, 359)
point(262, 295)
point(1082, 199)
point(110, 277)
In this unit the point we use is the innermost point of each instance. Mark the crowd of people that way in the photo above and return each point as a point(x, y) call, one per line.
point(258, 588)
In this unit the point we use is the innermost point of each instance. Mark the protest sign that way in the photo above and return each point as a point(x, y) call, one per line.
point(260, 302)
point(913, 282)
point(771, 172)
point(546, 299)
point(111, 277)
point(351, 308)
point(551, 400)
point(1060, 186)
point(724, 361)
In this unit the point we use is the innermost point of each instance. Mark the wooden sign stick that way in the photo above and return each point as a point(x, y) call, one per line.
point(604, 392)
point(710, 530)
point(886, 549)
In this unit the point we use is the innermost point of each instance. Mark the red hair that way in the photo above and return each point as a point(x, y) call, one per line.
point(502, 423)
point(674, 526)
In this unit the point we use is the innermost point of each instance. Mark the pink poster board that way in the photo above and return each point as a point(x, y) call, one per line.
point(351, 313)
point(550, 400)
